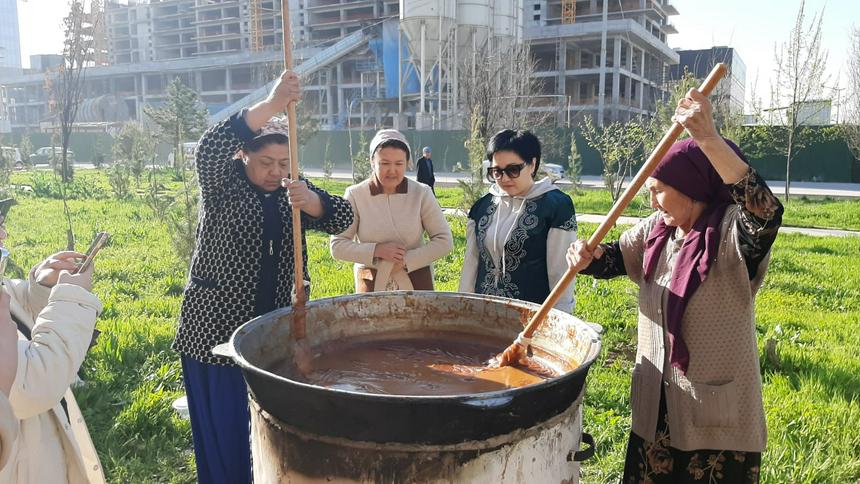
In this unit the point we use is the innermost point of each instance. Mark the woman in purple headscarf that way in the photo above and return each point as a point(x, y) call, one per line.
point(696, 402)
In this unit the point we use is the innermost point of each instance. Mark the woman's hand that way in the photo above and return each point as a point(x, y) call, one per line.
point(579, 257)
point(695, 114)
point(48, 271)
point(390, 251)
point(303, 198)
point(287, 89)
point(82, 279)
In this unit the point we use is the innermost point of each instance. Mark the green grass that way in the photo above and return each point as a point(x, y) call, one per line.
point(810, 304)
point(800, 212)
point(824, 213)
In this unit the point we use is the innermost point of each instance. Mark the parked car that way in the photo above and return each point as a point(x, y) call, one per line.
point(11, 156)
point(45, 154)
point(552, 171)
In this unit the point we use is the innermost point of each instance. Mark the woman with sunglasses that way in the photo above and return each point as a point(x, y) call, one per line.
point(517, 234)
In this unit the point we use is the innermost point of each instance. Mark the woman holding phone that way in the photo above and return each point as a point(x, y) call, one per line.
point(53, 314)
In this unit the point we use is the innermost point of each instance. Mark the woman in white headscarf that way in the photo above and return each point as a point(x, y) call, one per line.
point(392, 214)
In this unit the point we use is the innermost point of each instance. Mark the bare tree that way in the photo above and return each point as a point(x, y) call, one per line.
point(77, 55)
point(851, 128)
point(499, 90)
point(68, 90)
point(801, 63)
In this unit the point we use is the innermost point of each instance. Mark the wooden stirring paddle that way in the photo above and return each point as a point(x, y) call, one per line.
point(517, 350)
point(301, 356)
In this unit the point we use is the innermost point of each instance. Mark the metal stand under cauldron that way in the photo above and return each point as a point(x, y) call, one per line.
point(544, 453)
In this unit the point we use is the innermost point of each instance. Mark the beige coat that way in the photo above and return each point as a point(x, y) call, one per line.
point(8, 430)
point(51, 449)
point(718, 403)
point(402, 217)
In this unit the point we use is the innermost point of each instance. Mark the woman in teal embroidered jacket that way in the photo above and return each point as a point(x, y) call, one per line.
point(517, 234)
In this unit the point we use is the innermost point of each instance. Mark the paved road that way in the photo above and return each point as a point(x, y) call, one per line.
point(596, 219)
point(810, 189)
point(799, 189)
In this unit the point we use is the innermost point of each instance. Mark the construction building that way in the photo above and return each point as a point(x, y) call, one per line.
point(569, 39)
point(365, 63)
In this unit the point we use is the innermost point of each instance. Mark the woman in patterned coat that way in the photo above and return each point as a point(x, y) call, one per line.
point(242, 267)
point(699, 260)
point(516, 235)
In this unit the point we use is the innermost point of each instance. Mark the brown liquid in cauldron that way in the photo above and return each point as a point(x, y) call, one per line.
point(426, 363)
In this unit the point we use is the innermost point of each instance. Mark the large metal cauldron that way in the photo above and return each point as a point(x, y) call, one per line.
point(303, 431)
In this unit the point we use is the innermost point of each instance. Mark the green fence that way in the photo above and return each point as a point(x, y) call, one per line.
point(825, 161)
point(829, 161)
point(85, 146)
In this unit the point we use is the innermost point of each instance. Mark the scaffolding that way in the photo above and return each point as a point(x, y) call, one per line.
point(99, 26)
point(568, 11)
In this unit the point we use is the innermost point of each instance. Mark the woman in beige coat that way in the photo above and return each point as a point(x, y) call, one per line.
point(392, 214)
point(59, 311)
point(8, 367)
point(8, 430)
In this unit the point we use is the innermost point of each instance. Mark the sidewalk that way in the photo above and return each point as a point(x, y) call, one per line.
point(812, 189)
point(596, 219)
point(798, 189)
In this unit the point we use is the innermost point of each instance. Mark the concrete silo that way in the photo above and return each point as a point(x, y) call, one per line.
point(428, 26)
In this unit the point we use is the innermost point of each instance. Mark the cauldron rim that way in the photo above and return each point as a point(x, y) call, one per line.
point(468, 398)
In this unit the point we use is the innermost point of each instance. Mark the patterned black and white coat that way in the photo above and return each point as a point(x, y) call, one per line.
point(226, 265)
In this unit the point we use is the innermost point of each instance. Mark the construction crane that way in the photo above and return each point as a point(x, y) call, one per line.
point(255, 26)
point(568, 11)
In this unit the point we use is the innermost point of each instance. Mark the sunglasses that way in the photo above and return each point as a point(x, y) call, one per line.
point(513, 171)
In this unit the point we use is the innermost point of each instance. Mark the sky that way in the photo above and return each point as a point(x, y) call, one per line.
point(752, 27)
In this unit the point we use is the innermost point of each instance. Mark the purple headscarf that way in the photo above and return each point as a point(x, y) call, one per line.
point(686, 169)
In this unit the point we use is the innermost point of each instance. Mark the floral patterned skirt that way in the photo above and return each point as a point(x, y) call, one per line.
point(658, 462)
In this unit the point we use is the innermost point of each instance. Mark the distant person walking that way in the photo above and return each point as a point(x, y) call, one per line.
point(425, 169)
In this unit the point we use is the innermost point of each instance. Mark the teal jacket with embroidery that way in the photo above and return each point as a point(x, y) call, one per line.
point(533, 252)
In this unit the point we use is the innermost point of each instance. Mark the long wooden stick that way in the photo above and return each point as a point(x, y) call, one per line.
point(660, 151)
point(299, 276)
